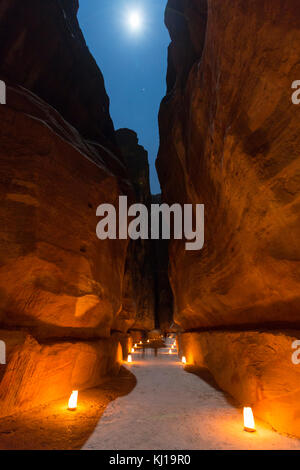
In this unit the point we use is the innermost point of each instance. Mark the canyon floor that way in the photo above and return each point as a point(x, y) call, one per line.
point(172, 409)
point(155, 403)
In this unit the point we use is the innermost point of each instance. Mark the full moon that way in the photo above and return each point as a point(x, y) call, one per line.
point(135, 21)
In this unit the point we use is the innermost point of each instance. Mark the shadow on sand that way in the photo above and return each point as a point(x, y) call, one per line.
point(53, 427)
point(205, 375)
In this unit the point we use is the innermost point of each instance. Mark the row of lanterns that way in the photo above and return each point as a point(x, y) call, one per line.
point(249, 423)
point(129, 357)
point(183, 359)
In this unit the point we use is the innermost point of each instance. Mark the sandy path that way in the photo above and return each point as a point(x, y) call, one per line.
point(172, 409)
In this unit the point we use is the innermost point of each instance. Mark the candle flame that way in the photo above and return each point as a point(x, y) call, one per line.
point(135, 345)
point(129, 358)
point(72, 405)
point(183, 360)
point(170, 351)
point(249, 424)
point(132, 350)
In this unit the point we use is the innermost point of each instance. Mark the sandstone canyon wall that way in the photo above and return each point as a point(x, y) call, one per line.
point(61, 289)
point(163, 292)
point(230, 140)
point(138, 309)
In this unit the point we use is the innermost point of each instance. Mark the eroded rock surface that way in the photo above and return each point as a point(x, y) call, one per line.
point(256, 368)
point(55, 274)
point(61, 288)
point(163, 292)
point(39, 373)
point(230, 140)
point(43, 49)
point(138, 307)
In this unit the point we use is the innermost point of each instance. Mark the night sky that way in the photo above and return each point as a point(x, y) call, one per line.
point(133, 62)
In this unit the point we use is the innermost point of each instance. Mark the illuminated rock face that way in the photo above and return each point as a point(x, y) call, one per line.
point(46, 372)
point(230, 139)
point(61, 288)
point(56, 276)
point(256, 368)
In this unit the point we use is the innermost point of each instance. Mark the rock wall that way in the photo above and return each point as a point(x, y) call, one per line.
point(230, 140)
point(56, 277)
point(255, 367)
point(163, 292)
point(38, 373)
point(138, 312)
point(61, 289)
point(42, 48)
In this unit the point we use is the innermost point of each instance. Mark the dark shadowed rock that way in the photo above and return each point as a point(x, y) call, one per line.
point(138, 311)
point(42, 48)
point(163, 292)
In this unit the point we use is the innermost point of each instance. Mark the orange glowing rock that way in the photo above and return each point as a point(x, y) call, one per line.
point(72, 405)
point(249, 424)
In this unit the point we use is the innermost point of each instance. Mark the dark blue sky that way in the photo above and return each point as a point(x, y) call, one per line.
point(133, 64)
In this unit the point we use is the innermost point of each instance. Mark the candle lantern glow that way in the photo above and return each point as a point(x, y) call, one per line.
point(129, 358)
point(132, 350)
point(183, 360)
point(72, 405)
point(170, 351)
point(249, 424)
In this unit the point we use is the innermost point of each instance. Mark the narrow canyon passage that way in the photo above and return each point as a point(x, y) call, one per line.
point(172, 409)
point(180, 116)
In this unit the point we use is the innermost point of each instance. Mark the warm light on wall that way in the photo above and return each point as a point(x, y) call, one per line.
point(249, 424)
point(72, 405)
point(129, 358)
point(183, 360)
